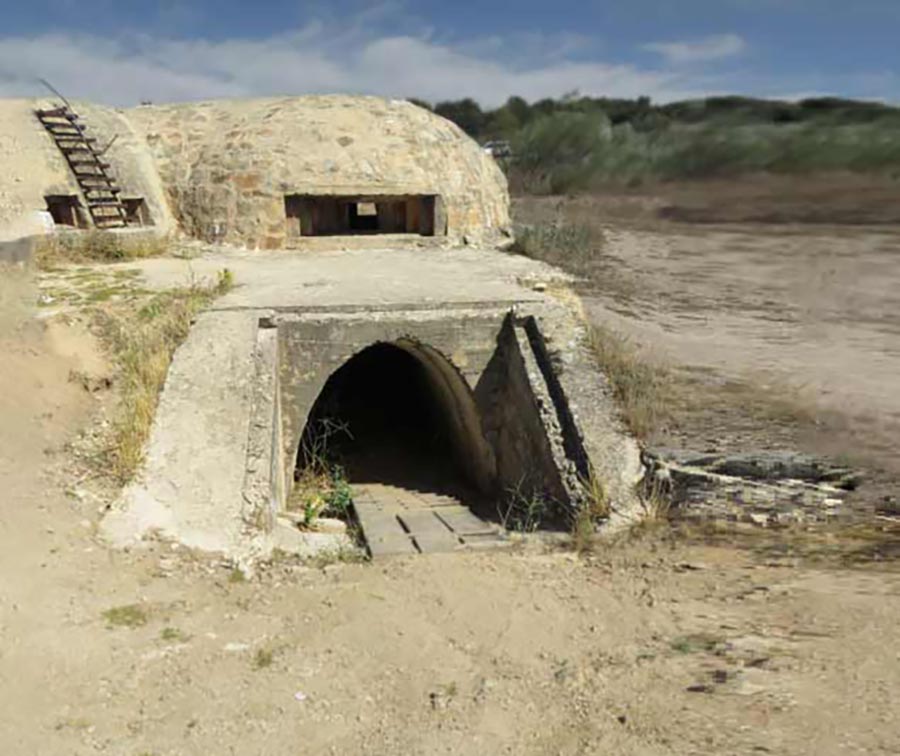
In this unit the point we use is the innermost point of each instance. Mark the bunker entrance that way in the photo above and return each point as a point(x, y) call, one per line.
point(310, 215)
point(66, 210)
point(382, 418)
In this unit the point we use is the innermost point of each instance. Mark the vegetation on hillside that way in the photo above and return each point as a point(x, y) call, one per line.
point(578, 143)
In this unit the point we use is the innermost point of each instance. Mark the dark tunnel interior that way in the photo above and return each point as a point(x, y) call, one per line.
point(380, 417)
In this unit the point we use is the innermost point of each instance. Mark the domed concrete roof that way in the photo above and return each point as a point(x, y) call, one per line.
point(228, 165)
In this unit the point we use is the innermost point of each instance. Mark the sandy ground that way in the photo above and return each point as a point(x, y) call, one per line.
point(650, 646)
point(806, 312)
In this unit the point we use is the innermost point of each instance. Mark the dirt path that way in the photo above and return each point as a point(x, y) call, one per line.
point(648, 647)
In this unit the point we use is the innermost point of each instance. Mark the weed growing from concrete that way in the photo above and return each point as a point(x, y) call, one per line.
point(594, 509)
point(142, 342)
point(643, 389)
point(130, 615)
point(655, 505)
point(523, 513)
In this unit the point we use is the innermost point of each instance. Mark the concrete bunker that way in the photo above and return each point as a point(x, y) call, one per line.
point(359, 215)
point(454, 416)
point(399, 413)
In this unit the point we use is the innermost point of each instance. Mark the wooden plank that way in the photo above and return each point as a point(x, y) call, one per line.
point(383, 533)
point(461, 520)
point(56, 113)
point(422, 521)
point(431, 535)
point(435, 542)
point(391, 546)
point(486, 543)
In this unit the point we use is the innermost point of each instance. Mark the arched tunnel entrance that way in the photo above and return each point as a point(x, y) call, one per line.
point(399, 415)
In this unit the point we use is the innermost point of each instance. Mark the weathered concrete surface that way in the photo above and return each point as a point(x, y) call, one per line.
point(33, 166)
point(228, 164)
point(237, 398)
point(220, 171)
point(381, 277)
point(190, 488)
point(516, 413)
point(462, 338)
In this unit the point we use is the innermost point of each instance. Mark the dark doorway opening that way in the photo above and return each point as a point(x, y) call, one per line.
point(66, 210)
point(136, 211)
point(381, 418)
point(363, 216)
point(313, 215)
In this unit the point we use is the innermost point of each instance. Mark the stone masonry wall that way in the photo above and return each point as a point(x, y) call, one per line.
point(228, 165)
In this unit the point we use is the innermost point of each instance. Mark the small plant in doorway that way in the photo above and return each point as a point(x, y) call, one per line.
point(523, 513)
point(321, 488)
point(323, 493)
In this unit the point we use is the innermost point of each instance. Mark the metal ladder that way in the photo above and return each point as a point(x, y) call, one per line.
point(99, 188)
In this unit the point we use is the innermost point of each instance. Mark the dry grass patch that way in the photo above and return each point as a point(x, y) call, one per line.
point(95, 245)
point(642, 388)
point(594, 509)
point(130, 615)
point(142, 342)
point(575, 247)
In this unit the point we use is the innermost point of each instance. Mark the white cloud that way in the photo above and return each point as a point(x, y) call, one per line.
point(352, 57)
point(317, 58)
point(703, 50)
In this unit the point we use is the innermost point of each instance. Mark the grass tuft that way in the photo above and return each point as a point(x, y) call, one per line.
point(96, 246)
point(142, 342)
point(642, 389)
point(595, 509)
point(524, 513)
point(173, 634)
point(263, 658)
point(572, 246)
point(321, 489)
point(130, 615)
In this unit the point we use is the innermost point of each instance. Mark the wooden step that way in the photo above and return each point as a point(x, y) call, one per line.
point(103, 182)
point(93, 162)
point(99, 189)
point(56, 113)
point(69, 133)
point(103, 202)
point(93, 192)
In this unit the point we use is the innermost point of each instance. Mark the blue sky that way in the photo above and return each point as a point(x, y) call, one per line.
point(123, 52)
